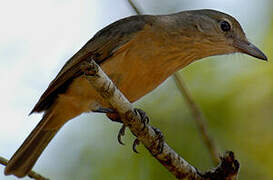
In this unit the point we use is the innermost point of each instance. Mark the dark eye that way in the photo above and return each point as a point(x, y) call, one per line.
point(225, 26)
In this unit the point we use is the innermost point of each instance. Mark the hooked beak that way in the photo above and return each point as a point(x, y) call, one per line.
point(248, 48)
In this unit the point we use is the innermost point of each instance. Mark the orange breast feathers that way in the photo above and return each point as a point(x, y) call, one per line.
point(137, 68)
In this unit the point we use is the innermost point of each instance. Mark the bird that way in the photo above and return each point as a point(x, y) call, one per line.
point(138, 53)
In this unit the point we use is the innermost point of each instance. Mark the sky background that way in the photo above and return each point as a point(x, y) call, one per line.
point(38, 37)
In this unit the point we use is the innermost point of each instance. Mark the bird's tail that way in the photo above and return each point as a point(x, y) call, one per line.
point(25, 157)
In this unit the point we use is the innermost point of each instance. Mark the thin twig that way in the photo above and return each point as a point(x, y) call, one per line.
point(196, 112)
point(151, 137)
point(31, 174)
point(198, 117)
point(137, 11)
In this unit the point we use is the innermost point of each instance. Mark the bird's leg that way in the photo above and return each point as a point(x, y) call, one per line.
point(104, 110)
point(110, 113)
point(114, 116)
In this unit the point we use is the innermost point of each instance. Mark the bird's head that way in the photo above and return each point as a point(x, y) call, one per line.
point(215, 33)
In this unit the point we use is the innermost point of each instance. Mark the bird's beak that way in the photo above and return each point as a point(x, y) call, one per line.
point(248, 48)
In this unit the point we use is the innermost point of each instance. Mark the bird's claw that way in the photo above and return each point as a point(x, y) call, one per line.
point(143, 116)
point(160, 139)
point(121, 133)
point(135, 144)
point(144, 119)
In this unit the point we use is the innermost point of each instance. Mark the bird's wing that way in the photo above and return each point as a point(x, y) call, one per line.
point(101, 46)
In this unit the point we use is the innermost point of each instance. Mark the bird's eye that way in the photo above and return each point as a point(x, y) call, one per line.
point(225, 26)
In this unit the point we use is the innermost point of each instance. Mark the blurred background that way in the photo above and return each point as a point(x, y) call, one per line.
point(235, 92)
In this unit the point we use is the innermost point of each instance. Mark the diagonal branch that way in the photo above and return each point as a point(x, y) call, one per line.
point(151, 137)
point(31, 174)
point(137, 11)
point(199, 118)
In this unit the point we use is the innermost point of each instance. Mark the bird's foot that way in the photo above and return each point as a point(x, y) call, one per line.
point(143, 116)
point(145, 120)
point(160, 140)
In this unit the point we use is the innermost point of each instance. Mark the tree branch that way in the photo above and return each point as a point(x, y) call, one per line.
point(199, 118)
point(31, 174)
point(151, 137)
point(137, 11)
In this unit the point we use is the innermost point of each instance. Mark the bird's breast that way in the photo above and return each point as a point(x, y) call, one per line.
point(136, 68)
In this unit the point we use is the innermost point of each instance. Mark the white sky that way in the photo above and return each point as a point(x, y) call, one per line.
point(37, 37)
